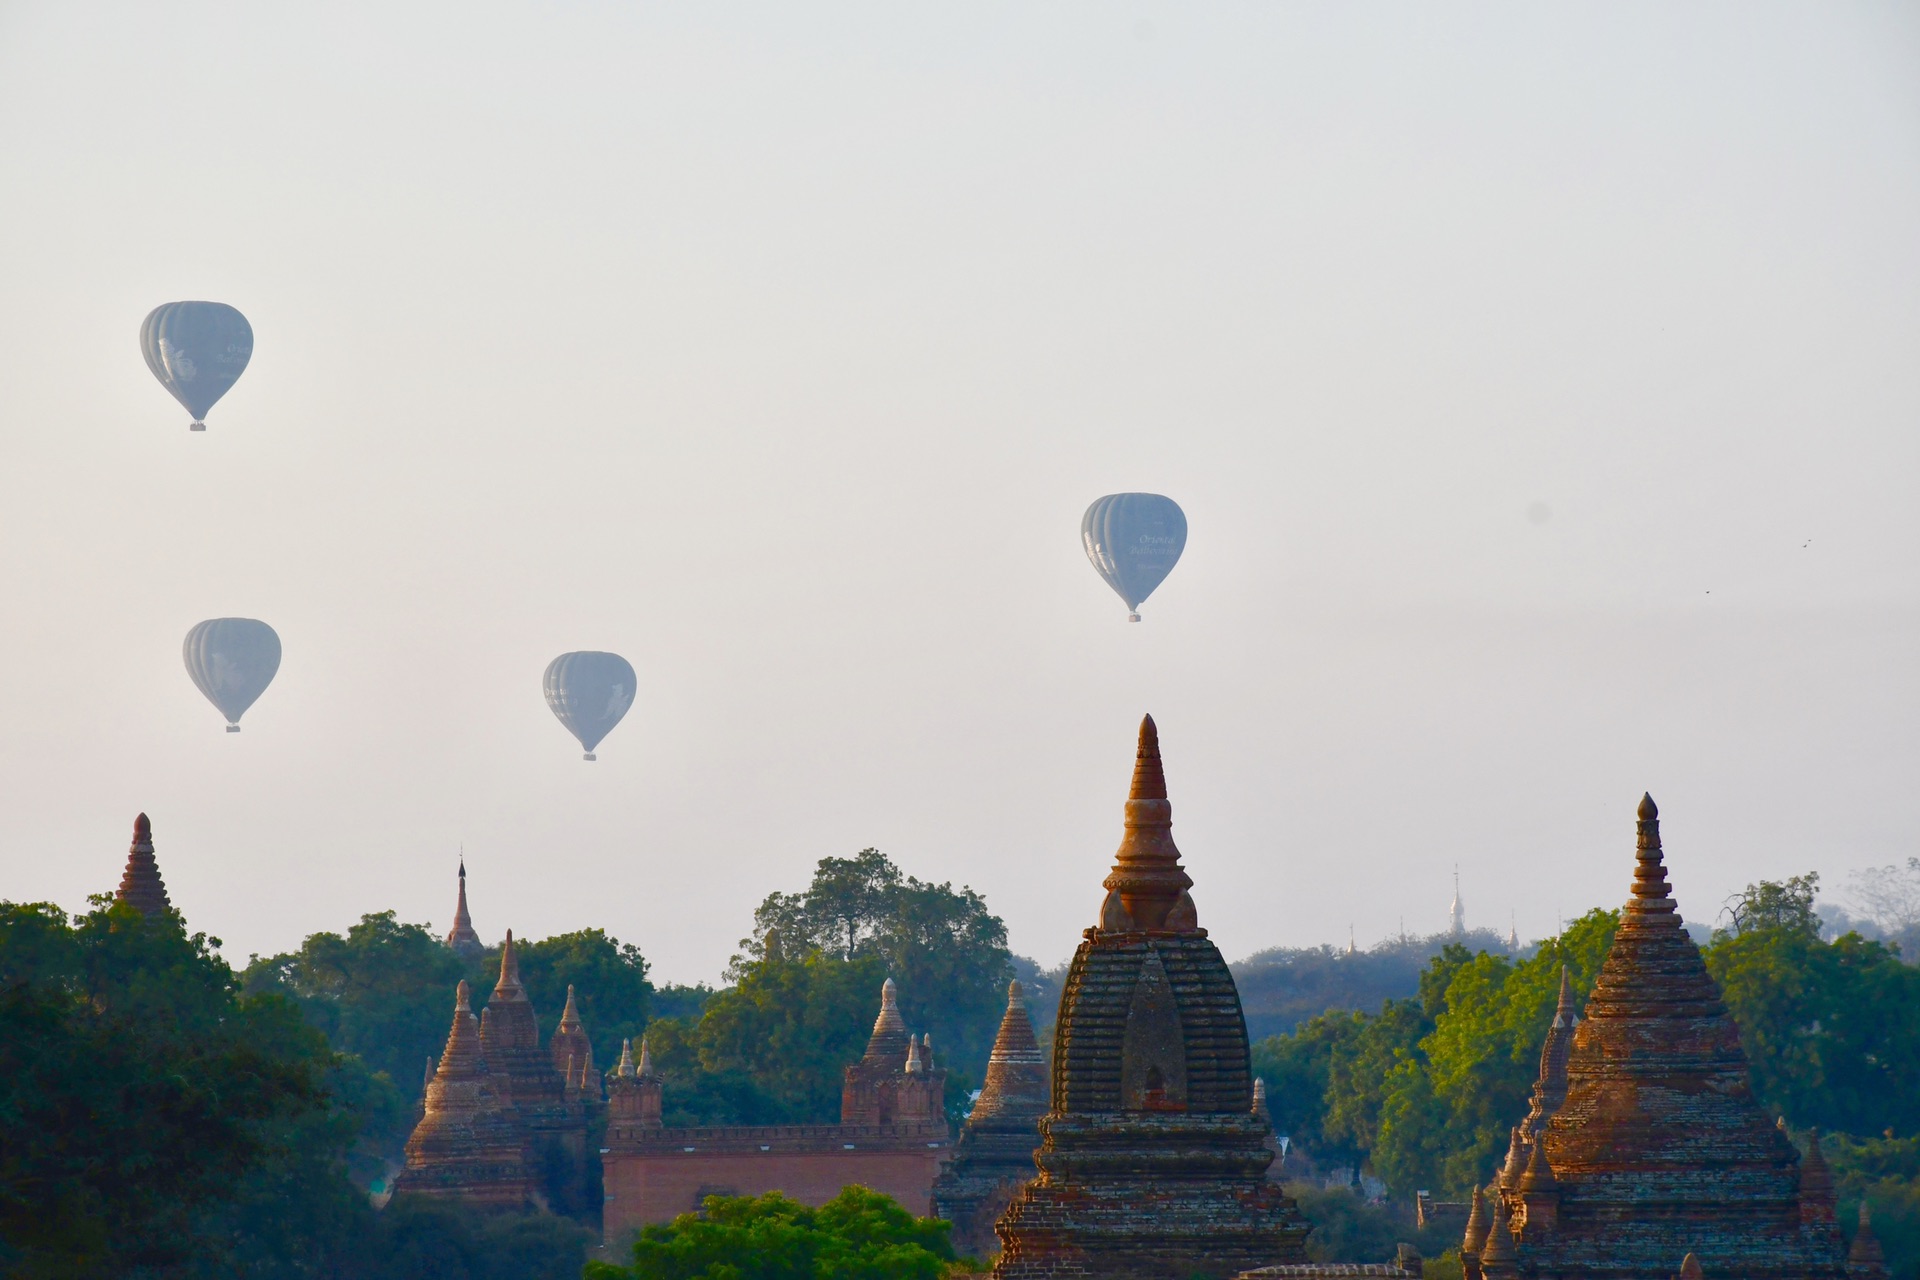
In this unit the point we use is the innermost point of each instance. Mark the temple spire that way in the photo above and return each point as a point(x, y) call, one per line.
point(1865, 1259)
point(461, 938)
point(889, 1042)
point(624, 1067)
point(645, 1068)
point(1147, 884)
point(509, 988)
point(1016, 1083)
point(140, 885)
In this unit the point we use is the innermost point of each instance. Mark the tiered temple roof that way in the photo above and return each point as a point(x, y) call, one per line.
point(140, 884)
point(1659, 1150)
point(994, 1155)
point(496, 1088)
point(895, 1081)
point(1152, 1162)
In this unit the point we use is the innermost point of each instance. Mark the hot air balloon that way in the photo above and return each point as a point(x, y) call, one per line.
point(232, 661)
point(1134, 540)
point(590, 692)
point(198, 350)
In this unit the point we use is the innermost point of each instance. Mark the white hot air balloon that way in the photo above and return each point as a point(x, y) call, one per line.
point(232, 661)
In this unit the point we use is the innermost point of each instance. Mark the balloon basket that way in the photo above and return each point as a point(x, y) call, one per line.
point(197, 426)
point(589, 756)
point(1133, 617)
point(233, 728)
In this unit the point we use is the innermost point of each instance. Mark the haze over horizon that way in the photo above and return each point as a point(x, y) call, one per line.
point(1539, 386)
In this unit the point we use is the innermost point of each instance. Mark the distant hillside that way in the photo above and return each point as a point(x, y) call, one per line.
point(1283, 987)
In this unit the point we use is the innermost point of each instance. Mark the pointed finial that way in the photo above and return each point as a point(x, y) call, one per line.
point(1539, 1174)
point(1147, 878)
point(624, 1068)
point(1016, 995)
point(889, 995)
point(1648, 809)
point(463, 998)
point(1476, 1234)
point(1563, 1011)
point(1690, 1268)
point(915, 1064)
point(142, 830)
point(646, 1058)
point(1650, 888)
point(569, 1016)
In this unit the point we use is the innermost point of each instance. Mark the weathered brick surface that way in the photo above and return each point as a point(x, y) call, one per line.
point(1152, 1163)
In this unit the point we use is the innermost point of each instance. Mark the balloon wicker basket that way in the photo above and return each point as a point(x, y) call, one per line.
point(196, 425)
point(233, 728)
point(1133, 617)
point(589, 756)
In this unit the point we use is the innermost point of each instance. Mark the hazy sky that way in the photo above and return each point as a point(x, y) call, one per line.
point(780, 347)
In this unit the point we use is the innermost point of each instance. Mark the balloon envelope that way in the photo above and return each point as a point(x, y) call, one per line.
point(1134, 540)
point(590, 692)
point(197, 350)
point(232, 661)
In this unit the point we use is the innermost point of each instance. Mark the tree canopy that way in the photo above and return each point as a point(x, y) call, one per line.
point(857, 1235)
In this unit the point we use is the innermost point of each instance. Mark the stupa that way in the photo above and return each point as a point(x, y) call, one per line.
point(994, 1155)
point(1658, 1155)
point(467, 1145)
point(140, 884)
point(1152, 1163)
point(462, 938)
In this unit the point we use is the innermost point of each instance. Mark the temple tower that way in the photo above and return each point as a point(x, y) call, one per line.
point(1659, 1150)
point(870, 1090)
point(1152, 1163)
point(551, 1116)
point(140, 885)
point(466, 1145)
point(572, 1051)
point(994, 1155)
point(461, 937)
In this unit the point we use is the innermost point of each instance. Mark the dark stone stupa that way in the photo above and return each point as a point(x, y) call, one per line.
point(994, 1155)
point(1152, 1163)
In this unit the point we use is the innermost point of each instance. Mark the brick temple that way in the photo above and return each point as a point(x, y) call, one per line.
point(892, 1137)
point(506, 1123)
point(1152, 1164)
point(1644, 1154)
point(994, 1154)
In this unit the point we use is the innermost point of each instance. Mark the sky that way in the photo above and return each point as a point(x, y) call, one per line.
point(1539, 382)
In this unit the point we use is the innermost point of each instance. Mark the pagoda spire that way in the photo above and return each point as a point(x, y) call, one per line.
point(645, 1069)
point(889, 1042)
point(1147, 888)
point(140, 885)
point(462, 938)
point(508, 988)
point(1016, 1083)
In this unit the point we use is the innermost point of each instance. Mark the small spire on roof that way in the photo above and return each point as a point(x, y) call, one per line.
point(1476, 1236)
point(1499, 1245)
point(509, 988)
point(624, 1067)
point(1690, 1268)
point(569, 1016)
point(646, 1059)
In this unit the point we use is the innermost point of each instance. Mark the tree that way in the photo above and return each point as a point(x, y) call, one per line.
point(1831, 1029)
point(384, 992)
point(791, 1027)
point(146, 1100)
point(857, 1235)
point(1890, 896)
point(945, 950)
point(609, 977)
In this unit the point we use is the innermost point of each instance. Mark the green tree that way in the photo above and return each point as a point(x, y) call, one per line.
point(791, 1026)
point(384, 992)
point(609, 977)
point(945, 950)
point(858, 1235)
point(147, 1103)
point(1831, 1029)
